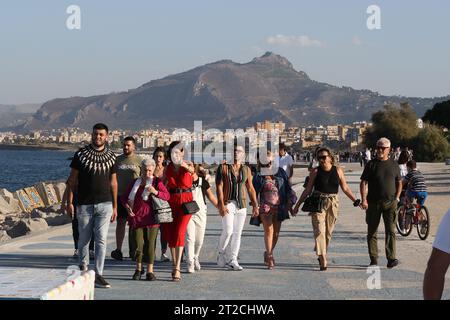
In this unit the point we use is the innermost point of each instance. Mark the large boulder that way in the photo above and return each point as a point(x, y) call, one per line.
point(59, 190)
point(8, 197)
point(11, 220)
point(38, 213)
point(47, 193)
point(4, 236)
point(5, 206)
point(54, 219)
point(26, 226)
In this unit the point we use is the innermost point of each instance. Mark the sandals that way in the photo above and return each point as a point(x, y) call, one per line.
point(266, 259)
point(271, 262)
point(174, 275)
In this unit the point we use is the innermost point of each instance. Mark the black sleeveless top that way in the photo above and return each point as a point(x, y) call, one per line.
point(327, 182)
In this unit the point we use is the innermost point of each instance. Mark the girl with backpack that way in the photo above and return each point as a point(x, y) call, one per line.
point(276, 198)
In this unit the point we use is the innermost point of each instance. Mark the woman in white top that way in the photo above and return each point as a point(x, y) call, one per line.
point(196, 228)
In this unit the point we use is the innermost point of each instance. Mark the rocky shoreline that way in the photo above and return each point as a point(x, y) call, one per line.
point(30, 210)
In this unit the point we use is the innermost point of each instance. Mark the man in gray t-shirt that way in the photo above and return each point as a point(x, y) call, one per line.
point(128, 168)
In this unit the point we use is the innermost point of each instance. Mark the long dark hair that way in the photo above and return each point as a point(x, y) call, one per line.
point(163, 151)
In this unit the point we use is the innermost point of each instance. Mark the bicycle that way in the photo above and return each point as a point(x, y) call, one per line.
point(414, 215)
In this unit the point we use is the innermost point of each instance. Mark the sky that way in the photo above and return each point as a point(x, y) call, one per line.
point(123, 44)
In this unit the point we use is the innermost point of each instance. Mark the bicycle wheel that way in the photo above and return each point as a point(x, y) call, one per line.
point(423, 227)
point(404, 225)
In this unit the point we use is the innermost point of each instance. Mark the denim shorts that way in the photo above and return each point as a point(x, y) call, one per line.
point(419, 195)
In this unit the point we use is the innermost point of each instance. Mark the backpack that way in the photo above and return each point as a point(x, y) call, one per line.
point(269, 193)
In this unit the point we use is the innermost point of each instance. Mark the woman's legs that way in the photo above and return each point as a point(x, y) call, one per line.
point(318, 223)
point(149, 247)
point(276, 230)
point(199, 235)
point(140, 242)
point(268, 232)
point(190, 242)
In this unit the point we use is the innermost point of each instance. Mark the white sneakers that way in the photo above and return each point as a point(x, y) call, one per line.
point(197, 265)
point(234, 265)
point(190, 267)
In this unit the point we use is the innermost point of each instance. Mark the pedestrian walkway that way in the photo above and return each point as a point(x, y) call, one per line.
point(296, 274)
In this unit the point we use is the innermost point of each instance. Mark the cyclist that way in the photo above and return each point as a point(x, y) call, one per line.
point(416, 188)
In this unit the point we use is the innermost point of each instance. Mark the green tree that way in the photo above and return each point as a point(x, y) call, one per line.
point(439, 114)
point(430, 145)
point(398, 124)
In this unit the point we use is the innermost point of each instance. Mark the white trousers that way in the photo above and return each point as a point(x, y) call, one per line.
point(195, 233)
point(232, 226)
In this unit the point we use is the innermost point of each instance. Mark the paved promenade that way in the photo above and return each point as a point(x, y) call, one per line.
point(296, 274)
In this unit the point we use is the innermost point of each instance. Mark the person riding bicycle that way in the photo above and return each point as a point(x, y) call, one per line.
point(414, 182)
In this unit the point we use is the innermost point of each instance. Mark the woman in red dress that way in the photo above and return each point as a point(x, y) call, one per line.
point(179, 183)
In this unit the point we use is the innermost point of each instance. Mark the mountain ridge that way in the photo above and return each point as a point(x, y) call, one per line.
point(223, 94)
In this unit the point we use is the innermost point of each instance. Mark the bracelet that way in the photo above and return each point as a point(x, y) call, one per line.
point(356, 203)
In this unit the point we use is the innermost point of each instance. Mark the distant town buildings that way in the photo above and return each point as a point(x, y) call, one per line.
point(335, 136)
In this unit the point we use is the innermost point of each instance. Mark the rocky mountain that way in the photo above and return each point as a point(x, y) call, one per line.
point(223, 94)
point(16, 115)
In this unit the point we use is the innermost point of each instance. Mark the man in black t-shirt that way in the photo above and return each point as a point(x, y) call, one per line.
point(382, 178)
point(94, 177)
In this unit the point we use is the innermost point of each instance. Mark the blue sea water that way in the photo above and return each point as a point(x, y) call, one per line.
point(24, 168)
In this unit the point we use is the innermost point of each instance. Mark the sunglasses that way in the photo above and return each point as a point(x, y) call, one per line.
point(322, 157)
point(382, 148)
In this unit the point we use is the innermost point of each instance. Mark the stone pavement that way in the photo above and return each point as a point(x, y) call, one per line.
point(296, 275)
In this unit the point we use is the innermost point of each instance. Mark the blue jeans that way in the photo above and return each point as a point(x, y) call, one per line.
point(94, 218)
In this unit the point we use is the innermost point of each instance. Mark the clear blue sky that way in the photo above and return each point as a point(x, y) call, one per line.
point(123, 44)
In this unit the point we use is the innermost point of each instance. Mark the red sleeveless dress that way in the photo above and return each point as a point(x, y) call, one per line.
point(174, 233)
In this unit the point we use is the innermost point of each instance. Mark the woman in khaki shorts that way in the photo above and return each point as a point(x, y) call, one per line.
point(325, 180)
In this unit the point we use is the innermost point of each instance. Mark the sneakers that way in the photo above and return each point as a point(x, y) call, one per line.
point(164, 258)
point(150, 277)
point(221, 260)
point(190, 267)
point(100, 282)
point(392, 263)
point(234, 265)
point(197, 265)
point(91, 254)
point(137, 275)
point(75, 254)
point(117, 255)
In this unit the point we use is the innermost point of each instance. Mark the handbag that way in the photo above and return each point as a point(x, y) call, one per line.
point(190, 207)
point(255, 221)
point(313, 203)
point(161, 210)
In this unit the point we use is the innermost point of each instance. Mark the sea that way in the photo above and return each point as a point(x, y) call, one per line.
point(24, 168)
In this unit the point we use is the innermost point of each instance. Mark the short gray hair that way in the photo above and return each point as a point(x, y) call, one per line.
point(148, 162)
point(384, 142)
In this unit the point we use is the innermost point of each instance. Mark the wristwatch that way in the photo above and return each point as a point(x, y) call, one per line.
point(356, 203)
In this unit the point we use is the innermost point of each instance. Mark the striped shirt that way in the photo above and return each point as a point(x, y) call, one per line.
point(233, 187)
point(416, 181)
